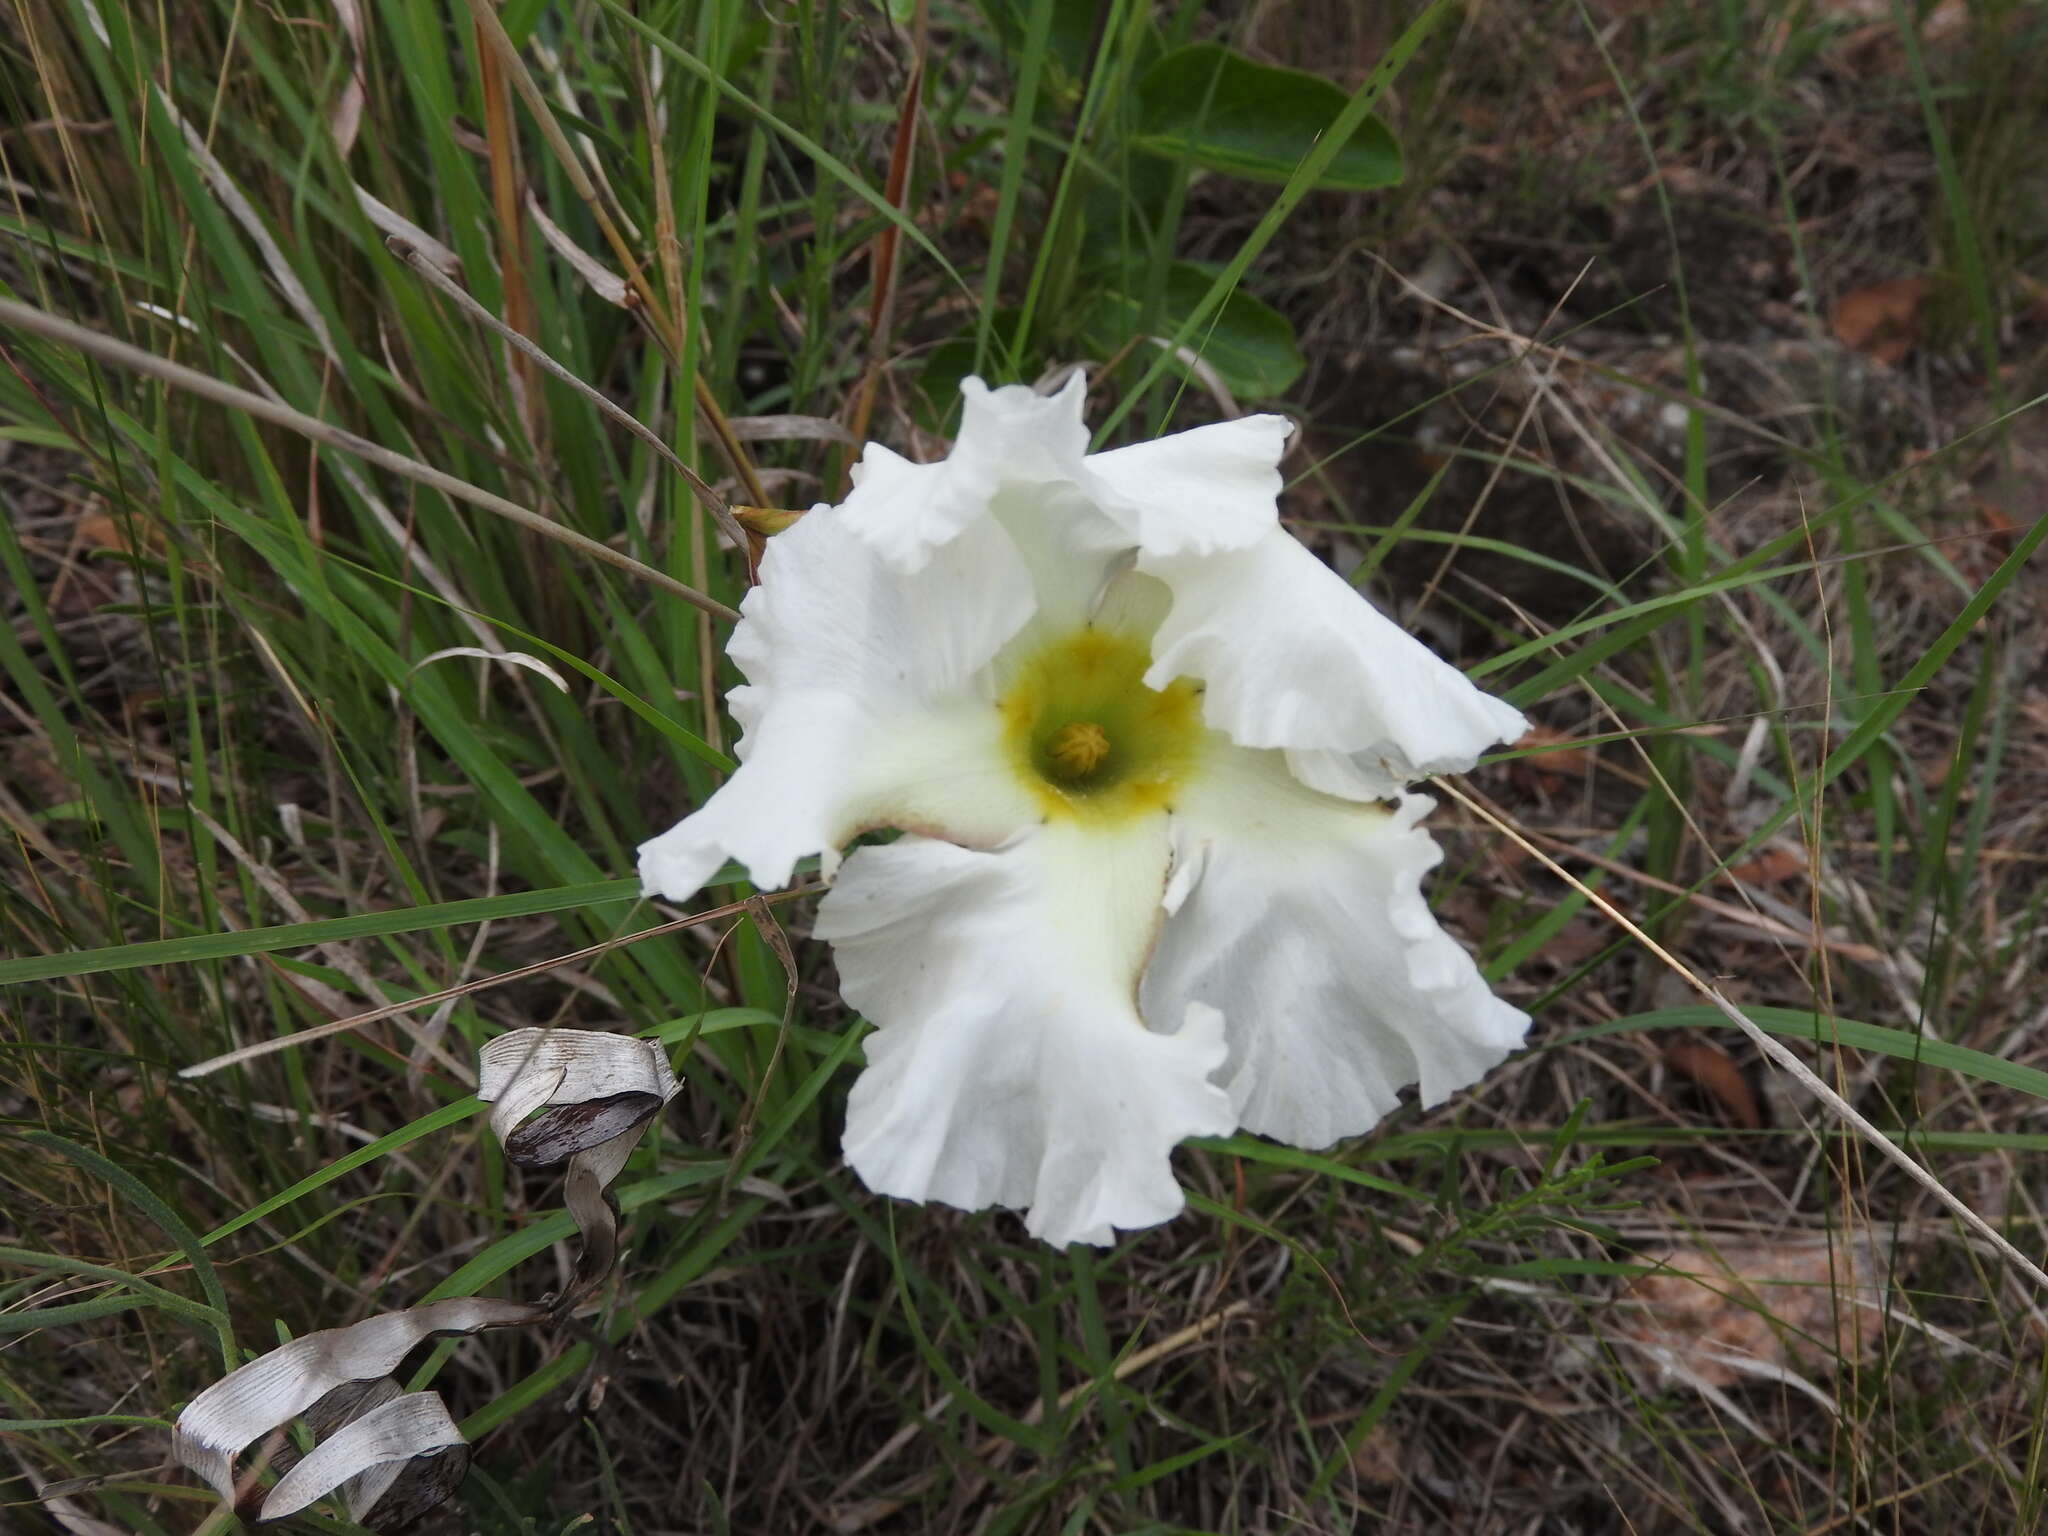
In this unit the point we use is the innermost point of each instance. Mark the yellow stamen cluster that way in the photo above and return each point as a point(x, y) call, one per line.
point(1078, 748)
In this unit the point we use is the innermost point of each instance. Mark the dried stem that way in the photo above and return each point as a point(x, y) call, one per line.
point(493, 32)
point(1776, 1050)
point(468, 303)
point(93, 344)
point(413, 1004)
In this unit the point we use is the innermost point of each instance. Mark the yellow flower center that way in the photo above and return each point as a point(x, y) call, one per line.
point(1086, 735)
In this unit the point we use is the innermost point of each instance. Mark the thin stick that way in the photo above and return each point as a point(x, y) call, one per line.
point(93, 344)
point(714, 503)
point(1763, 922)
point(1779, 1053)
point(357, 1021)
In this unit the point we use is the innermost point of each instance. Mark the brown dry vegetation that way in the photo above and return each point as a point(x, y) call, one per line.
point(1586, 246)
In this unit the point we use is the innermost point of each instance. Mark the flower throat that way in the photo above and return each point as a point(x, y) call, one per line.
point(1086, 735)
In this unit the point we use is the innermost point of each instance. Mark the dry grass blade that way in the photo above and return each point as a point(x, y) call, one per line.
point(107, 350)
point(774, 429)
point(597, 277)
point(55, 1499)
point(396, 226)
point(1778, 1053)
point(345, 116)
point(508, 658)
point(464, 300)
point(884, 252)
point(501, 139)
point(446, 994)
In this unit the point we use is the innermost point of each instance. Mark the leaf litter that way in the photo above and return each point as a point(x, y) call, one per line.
point(557, 1096)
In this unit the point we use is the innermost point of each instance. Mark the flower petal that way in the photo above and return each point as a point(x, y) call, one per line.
point(1198, 492)
point(1071, 548)
point(1009, 1065)
point(1293, 657)
point(1301, 918)
point(1028, 435)
point(863, 706)
point(1009, 436)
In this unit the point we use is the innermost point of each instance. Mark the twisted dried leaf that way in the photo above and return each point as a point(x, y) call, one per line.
point(366, 1458)
point(528, 1069)
point(556, 1135)
point(389, 1454)
point(600, 1091)
point(273, 1389)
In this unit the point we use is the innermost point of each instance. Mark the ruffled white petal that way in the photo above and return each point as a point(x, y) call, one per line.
point(822, 768)
point(1008, 437)
point(1070, 547)
point(1029, 436)
point(1292, 657)
point(866, 706)
point(1301, 919)
point(1198, 492)
point(1009, 1065)
point(1060, 1002)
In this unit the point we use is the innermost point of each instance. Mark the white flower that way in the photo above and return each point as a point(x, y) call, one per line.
point(1137, 739)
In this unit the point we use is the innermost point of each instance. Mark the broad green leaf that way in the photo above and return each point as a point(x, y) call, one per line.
point(1035, 31)
point(1221, 110)
point(1312, 171)
point(1249, 344)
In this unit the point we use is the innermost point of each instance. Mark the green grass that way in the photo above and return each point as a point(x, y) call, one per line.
point(238, 802)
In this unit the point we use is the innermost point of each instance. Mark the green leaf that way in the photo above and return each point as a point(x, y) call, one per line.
point(1799, 1024)
point(1219, 109)
point(335, 930)
point(157, 1210)
point(1037, 31)
point(146, 1294)
point(362, 925)
point(1254, 1150)
point(405, 1135)
point(1249, 344)
point(1312, 170)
